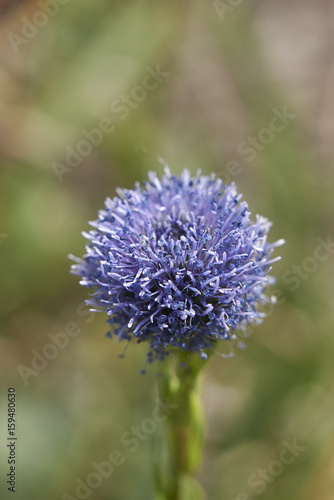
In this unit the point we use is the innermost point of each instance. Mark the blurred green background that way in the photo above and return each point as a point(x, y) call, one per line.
point(227, 65)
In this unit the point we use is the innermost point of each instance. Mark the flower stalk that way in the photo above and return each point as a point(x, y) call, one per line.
point(179, 451)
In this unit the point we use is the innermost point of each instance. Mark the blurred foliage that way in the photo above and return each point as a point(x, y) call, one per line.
point(226, 75)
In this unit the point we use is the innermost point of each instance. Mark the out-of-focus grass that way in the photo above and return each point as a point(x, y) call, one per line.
point(218, 92)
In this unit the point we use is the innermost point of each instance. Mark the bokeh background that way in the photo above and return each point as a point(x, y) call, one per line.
point(229, 64)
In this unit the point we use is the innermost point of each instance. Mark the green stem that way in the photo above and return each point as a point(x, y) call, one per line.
point(181, 447)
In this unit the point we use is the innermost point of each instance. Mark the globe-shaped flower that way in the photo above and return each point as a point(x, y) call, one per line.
point(178, 263)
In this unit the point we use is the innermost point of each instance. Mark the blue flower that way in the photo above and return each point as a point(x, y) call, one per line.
point(178, 263)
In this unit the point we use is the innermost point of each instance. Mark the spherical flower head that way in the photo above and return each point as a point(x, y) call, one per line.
point(177, 263)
